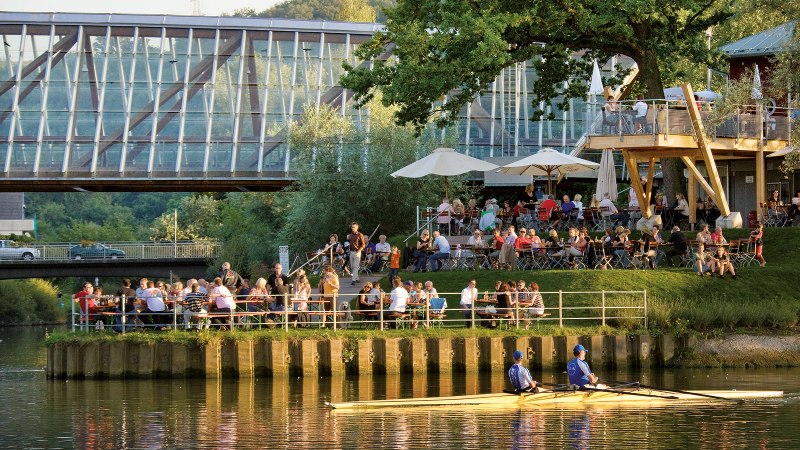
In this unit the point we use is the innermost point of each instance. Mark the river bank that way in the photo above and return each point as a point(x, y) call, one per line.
point(242, 355)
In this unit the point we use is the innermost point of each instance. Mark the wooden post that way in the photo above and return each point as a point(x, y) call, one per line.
point(691, 196)
point(705, 150)
point(761, 173)
point(636, 183)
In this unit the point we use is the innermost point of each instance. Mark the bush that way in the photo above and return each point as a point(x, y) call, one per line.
point(31, 301)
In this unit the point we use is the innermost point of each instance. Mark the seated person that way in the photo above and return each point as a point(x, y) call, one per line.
point(640, 118)
point(382, 251)
point(622, 245)
point(704, 262)
point(548, 212)
point(86, 302)
point(222, 299)
point(424, 244)
point(496, 243)
point(154, 304)
point(399, 298)
point(610, 211)
point(717, 237)
point(442, 248)
point(522, 243)
point(724, 263)
point(567, 206)
point(366, 300)
point(681, 211)
point(703, 236)
point(536, 242)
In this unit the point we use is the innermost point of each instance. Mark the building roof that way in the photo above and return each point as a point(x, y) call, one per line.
point(767, 42)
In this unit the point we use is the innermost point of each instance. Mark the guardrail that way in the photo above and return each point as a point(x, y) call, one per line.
point(132, 250)
point(671, 117)
point(285, 311)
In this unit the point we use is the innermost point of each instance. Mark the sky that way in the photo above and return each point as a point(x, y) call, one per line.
point(183, 7)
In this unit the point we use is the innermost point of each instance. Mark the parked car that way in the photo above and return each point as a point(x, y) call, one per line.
point(12, 250)
point(95, 251)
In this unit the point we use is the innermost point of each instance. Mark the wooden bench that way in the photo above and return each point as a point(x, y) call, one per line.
point(501, 318)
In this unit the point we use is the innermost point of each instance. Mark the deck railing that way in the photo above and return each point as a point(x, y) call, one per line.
point(132, 250)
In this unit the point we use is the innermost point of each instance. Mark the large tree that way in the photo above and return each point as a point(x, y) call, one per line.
point(457, 47)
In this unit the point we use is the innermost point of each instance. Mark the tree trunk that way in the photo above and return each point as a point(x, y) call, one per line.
point(671, 168)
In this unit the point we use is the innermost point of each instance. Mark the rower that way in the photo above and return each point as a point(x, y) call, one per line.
point(520, 376)
point(579, 372)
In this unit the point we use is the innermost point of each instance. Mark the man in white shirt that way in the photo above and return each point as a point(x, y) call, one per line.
point(613, 213)
point(468, 296)
point(640, 119)
point(442, 251)
point(382, 251)
point(154, 304)
point(399, 298)
point(430, 290)
point(512, 235)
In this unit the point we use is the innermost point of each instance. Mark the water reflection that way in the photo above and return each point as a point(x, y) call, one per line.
point(258, 413)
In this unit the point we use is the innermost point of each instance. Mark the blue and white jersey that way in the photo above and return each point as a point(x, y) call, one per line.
point(520, 377)
point(578, 371)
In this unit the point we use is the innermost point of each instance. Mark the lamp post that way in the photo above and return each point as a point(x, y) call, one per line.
point(175, 234)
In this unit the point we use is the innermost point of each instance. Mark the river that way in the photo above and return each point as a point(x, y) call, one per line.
point(266, 413)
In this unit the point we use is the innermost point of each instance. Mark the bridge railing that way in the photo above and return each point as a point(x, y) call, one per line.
point(133, 250)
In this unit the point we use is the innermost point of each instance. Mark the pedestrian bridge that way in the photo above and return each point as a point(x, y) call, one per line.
point(140, 259)
point(118, 102)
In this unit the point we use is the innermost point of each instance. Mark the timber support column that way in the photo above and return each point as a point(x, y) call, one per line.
point(761, 172)
point(691, 197)
point(636, 183)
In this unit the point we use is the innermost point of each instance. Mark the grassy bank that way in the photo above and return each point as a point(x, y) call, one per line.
point(678, 300)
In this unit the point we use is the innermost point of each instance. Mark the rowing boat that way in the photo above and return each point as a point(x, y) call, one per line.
point(556, 398)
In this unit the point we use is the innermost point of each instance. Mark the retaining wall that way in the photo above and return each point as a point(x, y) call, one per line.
point(252, 358)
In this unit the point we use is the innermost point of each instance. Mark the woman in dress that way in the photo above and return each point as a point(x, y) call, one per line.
point(757, 237)
point(302, 292)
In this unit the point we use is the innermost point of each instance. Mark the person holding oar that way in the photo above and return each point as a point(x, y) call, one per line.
point(579, 372)
point(520, 376)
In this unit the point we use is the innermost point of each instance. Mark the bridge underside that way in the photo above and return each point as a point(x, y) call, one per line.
point(151, 268)
point(223, 184)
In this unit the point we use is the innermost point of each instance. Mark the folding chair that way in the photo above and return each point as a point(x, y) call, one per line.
point(437, 314)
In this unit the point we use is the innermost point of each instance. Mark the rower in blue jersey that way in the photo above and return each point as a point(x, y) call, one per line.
point(578, 369)
point(520, 376)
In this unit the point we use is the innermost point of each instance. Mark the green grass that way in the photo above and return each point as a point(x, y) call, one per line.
point(677, 298)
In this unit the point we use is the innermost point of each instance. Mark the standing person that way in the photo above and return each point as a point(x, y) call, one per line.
point(578, 370)
point(278, 273)
point(520, 376)
point(194, 304)
point(757, 236)
point(357, 242)
point(442, 251)
point(394, 263)
point(640, 120)
point(468, 297)
point(329, 288)
point(230, 278)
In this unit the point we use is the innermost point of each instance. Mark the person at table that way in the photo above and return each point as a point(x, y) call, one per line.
point(703, 236)
point(516, 211)
point(548, 211)
point(595, 203)
point(420, 252)
point(567, 206)
point(496, 243)
point(622, 246)
point(459, 211)
point(536, 241)
point(154, 304)
point(659, 203)
point(680, 212)
point(724, 263)
point(774, 203)
point(256, 299)
point(700, 210)
point(553, 243)
point(579, 372)
point(793, 207)
point(588, 247)
point(679, 245)
point(442, 248)
point(704, 262)
point(275, 275)
point(468, 296)
point(579, 206)
point(648, 252)
point(610, 211)
point(222, 298)
point(86, 302)
point(230, 278)
point(503, 298)
point(717, 238)
point(399, 298)
point(528, 197)
point(382, 251)
point(430, 291)
point(127, 297)
point(194, 303)
point(640, 118)
point(366, 302)
point(757, 237)
point(476, 240)
point(522, 243)
point(519, 375)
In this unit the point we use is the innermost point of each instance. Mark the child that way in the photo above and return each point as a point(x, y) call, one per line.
point(757, 236)
point(394, 263)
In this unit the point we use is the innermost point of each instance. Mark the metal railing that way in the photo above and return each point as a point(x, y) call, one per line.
point(671, 117)
point(287, 311)
point(128, 250)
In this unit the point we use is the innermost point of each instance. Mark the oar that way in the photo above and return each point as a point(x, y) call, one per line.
point(678, 391)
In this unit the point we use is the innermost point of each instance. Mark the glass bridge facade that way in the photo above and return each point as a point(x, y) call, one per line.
point(131, 97)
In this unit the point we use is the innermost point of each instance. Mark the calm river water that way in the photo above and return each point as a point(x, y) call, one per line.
point(265, 413)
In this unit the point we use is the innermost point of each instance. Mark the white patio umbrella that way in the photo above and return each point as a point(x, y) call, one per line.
point(445, 162)
point(595, 88)
point(782, 152)
point(707, 95)
point(548, 162)
point(606, 176)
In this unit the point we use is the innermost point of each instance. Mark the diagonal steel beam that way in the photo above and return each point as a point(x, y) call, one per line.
point(61, 46)
point(252, 86)
point(33, 84)
point(166, 95)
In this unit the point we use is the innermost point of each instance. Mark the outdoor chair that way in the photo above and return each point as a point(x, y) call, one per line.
point(437, 314)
